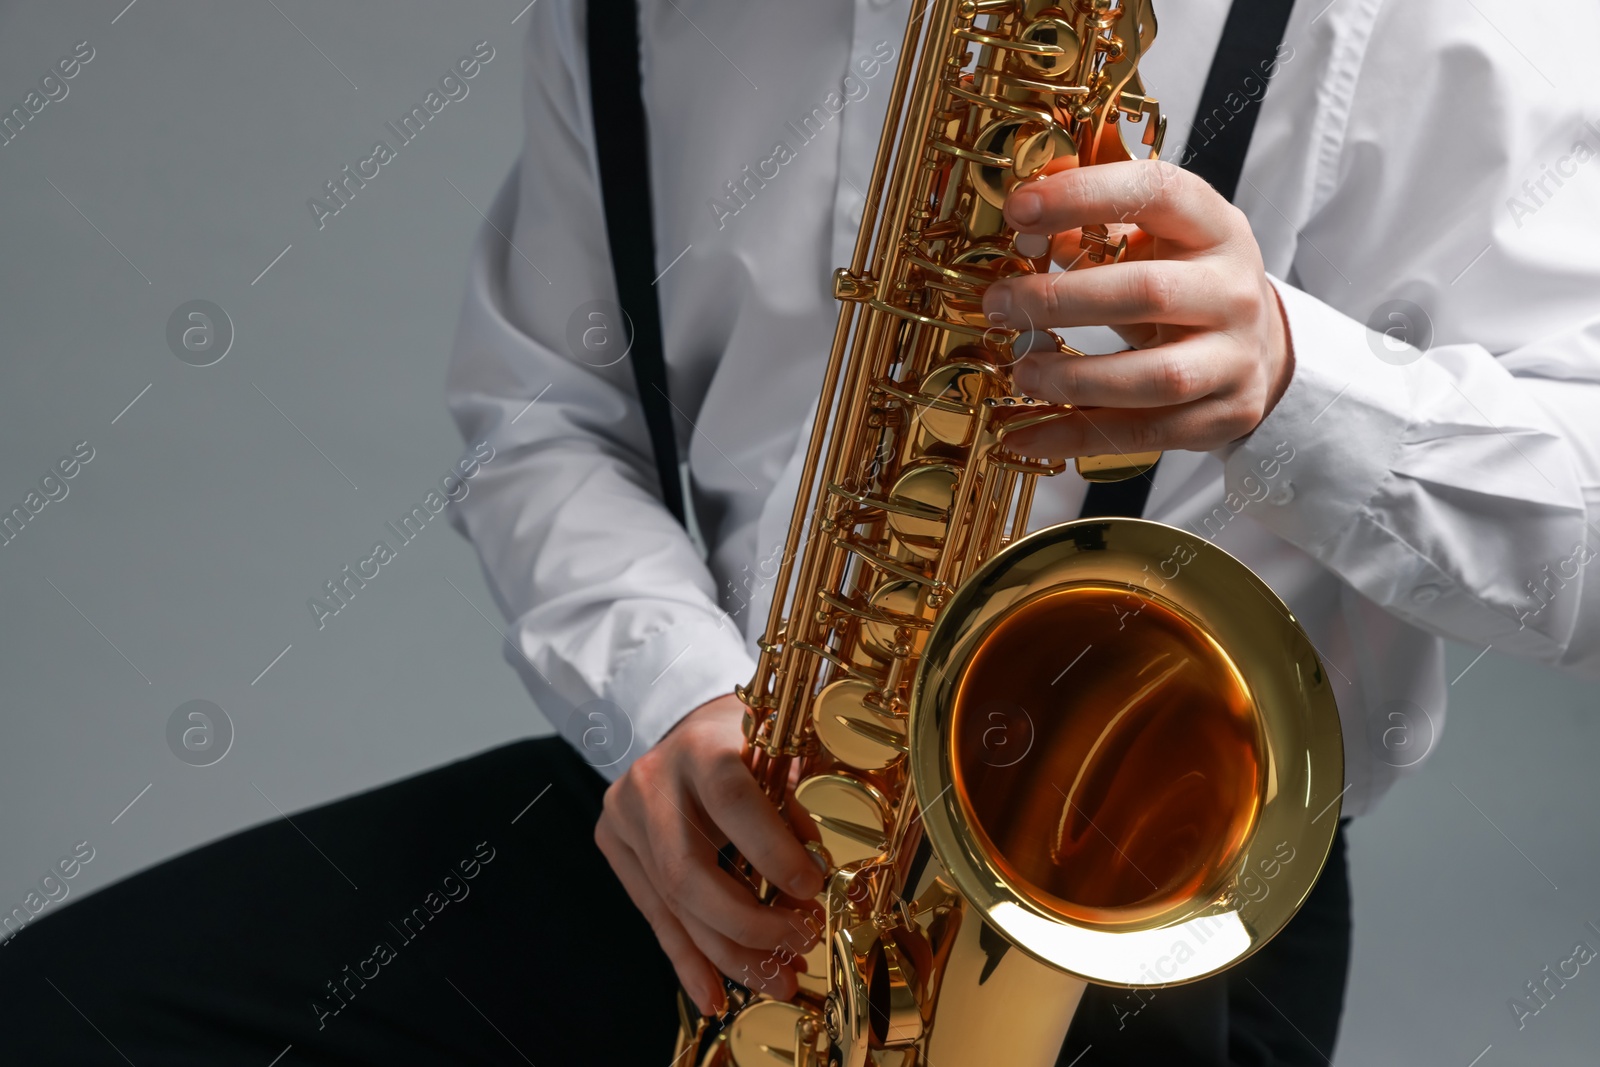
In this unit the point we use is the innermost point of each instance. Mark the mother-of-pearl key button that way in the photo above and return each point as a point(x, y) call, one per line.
point(1032, 245)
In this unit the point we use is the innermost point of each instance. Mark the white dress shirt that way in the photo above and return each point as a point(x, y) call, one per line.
point(1435, 153)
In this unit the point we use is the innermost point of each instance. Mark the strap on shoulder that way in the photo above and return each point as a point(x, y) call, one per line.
point(623, 149)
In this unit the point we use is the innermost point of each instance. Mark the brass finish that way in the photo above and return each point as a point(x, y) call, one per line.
point(1116, 468)
point(851, 814)
point(933, 486)
point(764, 1034)
point(853, 731)
point(1031, 761)
point(961, 384)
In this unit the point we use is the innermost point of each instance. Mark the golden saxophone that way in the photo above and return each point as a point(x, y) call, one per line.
point(1103, 752)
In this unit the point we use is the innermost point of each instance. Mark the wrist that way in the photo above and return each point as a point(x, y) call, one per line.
point(1281, 351)
point(722, 716)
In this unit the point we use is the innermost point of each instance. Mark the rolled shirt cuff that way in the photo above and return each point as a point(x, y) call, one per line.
point(659, 681)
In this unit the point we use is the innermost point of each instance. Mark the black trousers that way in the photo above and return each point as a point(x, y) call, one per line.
point(464, 916)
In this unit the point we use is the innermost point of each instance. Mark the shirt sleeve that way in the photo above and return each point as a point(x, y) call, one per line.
point(1444, 412)
point(607, 597)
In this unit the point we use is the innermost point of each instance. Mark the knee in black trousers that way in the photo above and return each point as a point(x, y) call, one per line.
point(438, 920)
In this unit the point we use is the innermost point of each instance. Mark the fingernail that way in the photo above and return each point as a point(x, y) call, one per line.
point(1025, 207)
point(997, 304)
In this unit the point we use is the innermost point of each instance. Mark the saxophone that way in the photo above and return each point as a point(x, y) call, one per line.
point(1102, 752)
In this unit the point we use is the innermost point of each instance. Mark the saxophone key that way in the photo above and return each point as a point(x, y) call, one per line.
point(855, 731)
point(852, 817)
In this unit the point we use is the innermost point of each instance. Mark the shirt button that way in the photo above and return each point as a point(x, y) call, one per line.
point(1282, 495)
point(1425, 594)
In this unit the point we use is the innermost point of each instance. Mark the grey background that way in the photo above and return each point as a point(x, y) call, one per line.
point(195, 536)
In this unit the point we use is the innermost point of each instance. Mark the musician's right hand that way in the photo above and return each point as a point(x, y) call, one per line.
point(663, 823)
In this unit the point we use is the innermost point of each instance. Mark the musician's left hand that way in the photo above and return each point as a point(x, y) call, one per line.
point(1211, 353)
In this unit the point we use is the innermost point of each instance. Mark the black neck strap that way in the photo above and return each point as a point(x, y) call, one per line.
point(1251, 50)
point(1244, 63)
point(622, 147)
